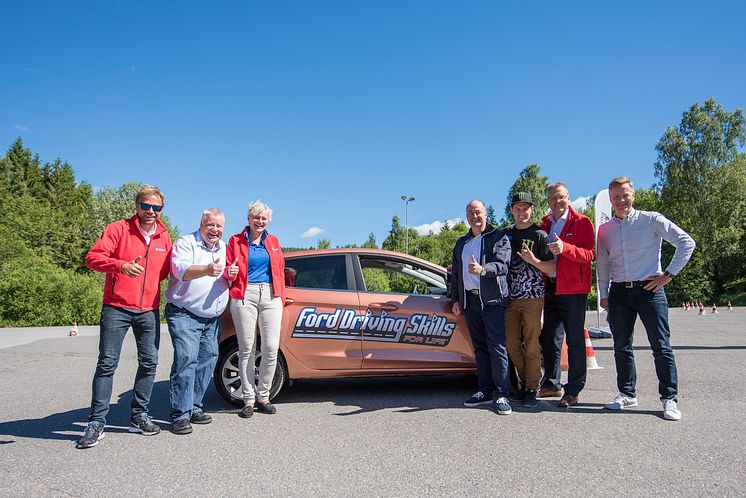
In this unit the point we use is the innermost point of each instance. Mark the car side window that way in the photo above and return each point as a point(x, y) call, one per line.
point(317, 272)
point(389, 275)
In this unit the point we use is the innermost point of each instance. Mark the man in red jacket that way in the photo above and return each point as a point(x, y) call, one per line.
point(134, 254)
point(571, 238)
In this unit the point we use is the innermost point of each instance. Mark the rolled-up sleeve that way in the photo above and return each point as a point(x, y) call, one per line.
point(674, 235)
point(182, 257)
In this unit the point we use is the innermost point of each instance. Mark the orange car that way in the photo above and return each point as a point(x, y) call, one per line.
point(357, 312)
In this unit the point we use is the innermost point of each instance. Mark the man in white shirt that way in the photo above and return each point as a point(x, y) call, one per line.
point(630, 283)
point(197, 295)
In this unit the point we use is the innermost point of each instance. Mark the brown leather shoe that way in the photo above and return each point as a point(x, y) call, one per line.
point(546, 392)
point(567, 400)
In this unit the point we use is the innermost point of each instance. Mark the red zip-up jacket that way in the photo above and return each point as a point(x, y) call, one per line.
point(121, 242)
point(238, 247)
point(574, 264)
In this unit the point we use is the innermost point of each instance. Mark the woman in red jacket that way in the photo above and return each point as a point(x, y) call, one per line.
point(257, 295)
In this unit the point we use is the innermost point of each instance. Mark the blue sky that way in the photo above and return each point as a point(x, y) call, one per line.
point(329, 111)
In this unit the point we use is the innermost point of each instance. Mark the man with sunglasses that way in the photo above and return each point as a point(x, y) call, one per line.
point(134, 254)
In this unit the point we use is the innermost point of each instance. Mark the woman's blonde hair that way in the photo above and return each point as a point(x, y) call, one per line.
point(257, 207)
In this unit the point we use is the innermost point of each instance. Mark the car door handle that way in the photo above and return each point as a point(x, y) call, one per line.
point(289, 300)
point(383, 306)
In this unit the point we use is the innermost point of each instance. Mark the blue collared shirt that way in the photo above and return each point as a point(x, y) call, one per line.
point(630, 249)
point(205, 296)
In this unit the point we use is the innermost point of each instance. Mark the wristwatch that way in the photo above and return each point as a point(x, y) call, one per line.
point(666, 273)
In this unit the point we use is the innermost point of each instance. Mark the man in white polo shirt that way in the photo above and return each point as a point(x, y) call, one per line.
point(197, 295)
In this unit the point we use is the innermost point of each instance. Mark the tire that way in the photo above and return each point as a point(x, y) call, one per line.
point(228, 382)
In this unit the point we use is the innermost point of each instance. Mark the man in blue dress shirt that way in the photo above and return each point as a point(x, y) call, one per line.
point(630, 283)
point(197, 295)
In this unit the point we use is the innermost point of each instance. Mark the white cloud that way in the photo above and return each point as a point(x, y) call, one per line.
point(580, 202)
point(313, 232)
point(21, 128)
point(436, 225)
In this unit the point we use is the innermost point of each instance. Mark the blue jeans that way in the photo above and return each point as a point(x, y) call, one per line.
point(487, 331)
point(652, 307)
point(114, 325)
point(564, 315)
point(195, 341)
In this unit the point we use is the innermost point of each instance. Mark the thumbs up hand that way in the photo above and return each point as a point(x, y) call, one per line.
point(474, 267)
point(214, 269)
point(132, 268)
point(556, 246)
point(233, 269)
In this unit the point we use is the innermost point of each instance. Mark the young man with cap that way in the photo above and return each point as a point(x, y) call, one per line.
point(530, 257)
point(571, 243)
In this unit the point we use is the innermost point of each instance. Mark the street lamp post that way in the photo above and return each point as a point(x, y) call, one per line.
point(407, 200)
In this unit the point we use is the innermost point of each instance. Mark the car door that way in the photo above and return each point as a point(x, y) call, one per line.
point(321, 301)
point(409, 324)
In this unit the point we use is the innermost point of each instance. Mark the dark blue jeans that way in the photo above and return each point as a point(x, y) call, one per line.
point(652, 307)
point(487, 331)
point(564, 315)
point(195, 341)
point(114, 325)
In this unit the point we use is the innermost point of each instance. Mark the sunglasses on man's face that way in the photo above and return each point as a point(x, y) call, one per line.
point(145, 206)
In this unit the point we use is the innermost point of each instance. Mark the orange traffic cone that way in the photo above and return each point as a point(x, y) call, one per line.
point(702, 311)
point(730, 306)
point(74, 330)
point(590, 354)
point(714, 309)
point(564, 362)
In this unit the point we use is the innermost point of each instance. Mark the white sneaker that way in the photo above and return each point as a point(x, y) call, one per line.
point(621, 401)
point(503, 406)
point(670, 410)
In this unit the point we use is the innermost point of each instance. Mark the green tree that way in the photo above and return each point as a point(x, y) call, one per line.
point(324, 244)
point(529, 180)
point(702, 182)
point(371, 242)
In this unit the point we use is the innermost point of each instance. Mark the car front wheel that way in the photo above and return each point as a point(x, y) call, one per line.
point(228, 381)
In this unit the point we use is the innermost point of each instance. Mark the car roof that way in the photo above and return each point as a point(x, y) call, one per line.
point(361, 251)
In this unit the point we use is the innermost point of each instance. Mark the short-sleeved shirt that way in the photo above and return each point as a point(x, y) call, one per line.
point(524, 279)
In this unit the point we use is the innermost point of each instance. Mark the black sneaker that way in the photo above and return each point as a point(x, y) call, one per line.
point(517, 396)
point(529, 399)
point(181, 426)
point(478, 398)
point(267, 408)
point(92, 435)
point(201, 418)
point(144, 425)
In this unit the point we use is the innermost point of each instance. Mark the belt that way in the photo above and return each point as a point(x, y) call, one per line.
point(473, 292)
point(629, 285)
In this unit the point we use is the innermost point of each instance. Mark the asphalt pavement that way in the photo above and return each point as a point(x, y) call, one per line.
point(401, 436)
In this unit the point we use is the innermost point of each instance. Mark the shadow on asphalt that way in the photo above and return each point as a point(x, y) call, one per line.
point(57, 425)
point(675, 348)
point(401, 394)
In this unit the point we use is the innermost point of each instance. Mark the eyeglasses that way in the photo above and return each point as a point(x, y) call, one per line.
point(145, 206)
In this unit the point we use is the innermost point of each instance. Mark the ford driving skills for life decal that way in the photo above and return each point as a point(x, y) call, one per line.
point(346, 323)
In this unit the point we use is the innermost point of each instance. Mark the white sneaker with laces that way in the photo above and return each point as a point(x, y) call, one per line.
point(670, 410)
point(621, 401)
